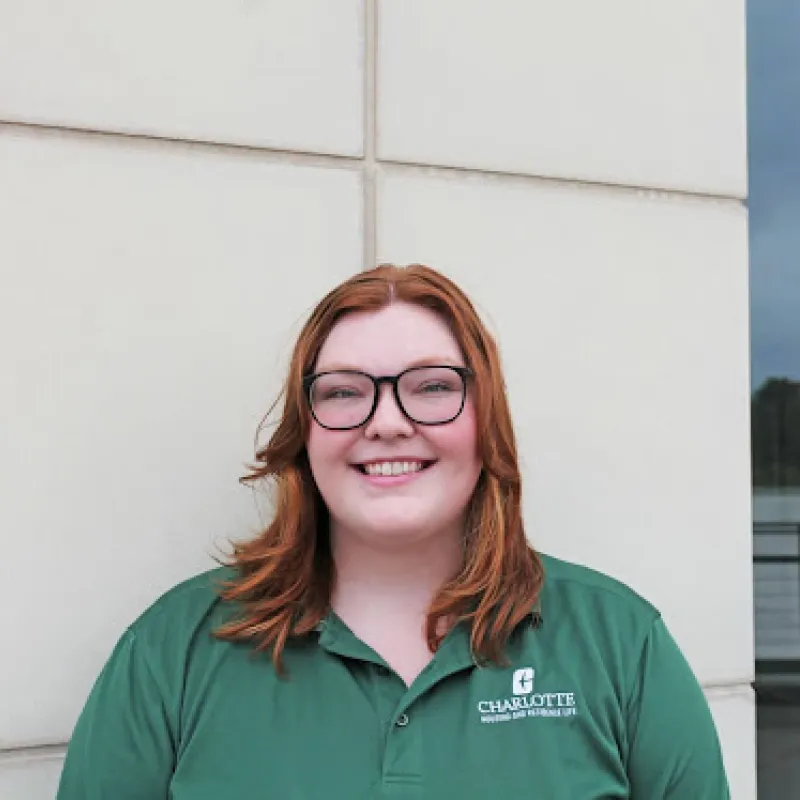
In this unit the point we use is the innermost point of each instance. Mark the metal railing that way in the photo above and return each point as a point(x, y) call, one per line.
point(776, 573)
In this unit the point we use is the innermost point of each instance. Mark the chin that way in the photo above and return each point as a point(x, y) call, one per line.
point(393, 529)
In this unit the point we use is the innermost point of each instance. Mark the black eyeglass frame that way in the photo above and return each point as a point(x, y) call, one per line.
point(394, 380)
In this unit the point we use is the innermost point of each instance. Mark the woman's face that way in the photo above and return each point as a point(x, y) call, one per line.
point(417, 504)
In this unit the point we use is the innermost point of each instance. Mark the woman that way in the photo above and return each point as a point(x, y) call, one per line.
point(391, 633)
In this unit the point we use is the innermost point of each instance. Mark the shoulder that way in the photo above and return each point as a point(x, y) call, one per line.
point(575, 590)
point(178, 615)
point(602, 626)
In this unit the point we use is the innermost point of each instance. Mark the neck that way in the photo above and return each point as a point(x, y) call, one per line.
point(391, 581)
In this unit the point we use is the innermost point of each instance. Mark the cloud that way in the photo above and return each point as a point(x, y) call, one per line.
point(775, 295)
point(774, 157)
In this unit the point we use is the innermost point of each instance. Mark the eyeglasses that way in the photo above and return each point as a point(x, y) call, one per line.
point(345, 399)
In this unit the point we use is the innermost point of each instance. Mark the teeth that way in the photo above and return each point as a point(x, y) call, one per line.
point(393, 467)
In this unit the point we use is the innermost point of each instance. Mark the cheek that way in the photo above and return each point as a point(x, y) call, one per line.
point(459, 439)
point(327, 450)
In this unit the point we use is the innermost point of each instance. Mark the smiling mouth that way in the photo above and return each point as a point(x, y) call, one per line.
point(391, 469)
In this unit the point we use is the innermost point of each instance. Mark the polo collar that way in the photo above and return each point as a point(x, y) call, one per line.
point(336, 637)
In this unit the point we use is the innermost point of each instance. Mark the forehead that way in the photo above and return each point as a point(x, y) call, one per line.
point(389, 340)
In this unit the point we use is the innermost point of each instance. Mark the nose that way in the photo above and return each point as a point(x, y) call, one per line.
point(388, 421)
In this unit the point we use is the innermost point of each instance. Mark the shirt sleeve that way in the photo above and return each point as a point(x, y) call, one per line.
point(674, 748)
point(123, 746)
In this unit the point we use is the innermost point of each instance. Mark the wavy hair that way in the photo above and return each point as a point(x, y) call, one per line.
point(284, 577)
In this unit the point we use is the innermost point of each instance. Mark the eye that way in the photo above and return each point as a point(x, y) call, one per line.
point(339, 393)
point(435, 387)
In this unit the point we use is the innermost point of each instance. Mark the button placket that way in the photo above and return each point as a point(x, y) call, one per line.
point(403, 755)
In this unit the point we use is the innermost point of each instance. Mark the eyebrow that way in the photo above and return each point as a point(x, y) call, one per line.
point(419, 362)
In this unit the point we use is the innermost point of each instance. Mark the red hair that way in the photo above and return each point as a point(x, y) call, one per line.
point(285, 575)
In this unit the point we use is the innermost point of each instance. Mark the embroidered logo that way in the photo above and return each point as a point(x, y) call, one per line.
point(522, 682)
point(526, 703)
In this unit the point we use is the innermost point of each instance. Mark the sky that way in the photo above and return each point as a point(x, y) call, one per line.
point(774, 193)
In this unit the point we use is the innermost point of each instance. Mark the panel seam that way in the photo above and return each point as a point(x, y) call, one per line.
point(368, 166)
point(41, 751)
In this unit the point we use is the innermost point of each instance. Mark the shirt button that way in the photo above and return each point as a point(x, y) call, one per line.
point(402, 721)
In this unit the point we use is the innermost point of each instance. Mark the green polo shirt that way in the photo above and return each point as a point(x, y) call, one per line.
point(598, 702)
